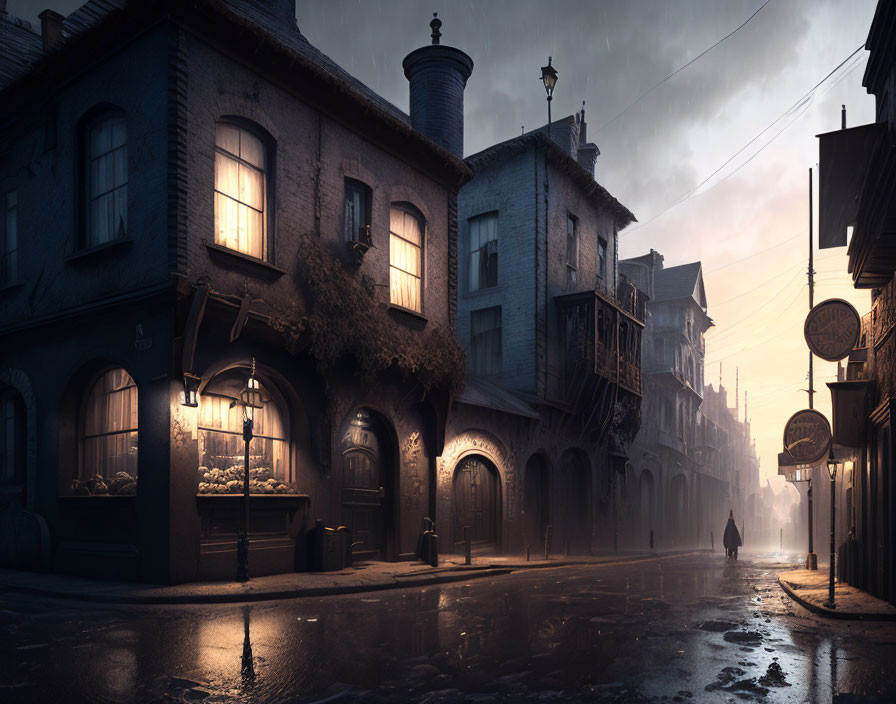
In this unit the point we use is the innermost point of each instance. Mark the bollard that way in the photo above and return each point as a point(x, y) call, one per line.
point(434, 548)
point(467, 555)
point(547, 542)
point(712, 541)
point(651, 538)
point(527, 553)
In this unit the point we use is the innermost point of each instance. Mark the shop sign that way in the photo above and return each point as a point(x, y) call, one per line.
point(832, 329)
point(807, 437)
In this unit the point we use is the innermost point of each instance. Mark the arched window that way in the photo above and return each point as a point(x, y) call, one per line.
point(221, 446)
point(406, 257)
point(240, 190)
point(109, 436)
point(106, 178)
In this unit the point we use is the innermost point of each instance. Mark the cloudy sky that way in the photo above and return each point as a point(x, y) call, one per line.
point(608, 53)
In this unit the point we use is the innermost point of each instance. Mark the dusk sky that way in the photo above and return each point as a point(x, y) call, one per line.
point(660, 149)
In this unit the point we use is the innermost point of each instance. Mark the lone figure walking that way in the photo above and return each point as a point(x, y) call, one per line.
point(732, 539)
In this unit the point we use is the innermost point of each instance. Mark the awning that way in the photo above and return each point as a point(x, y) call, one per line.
point(844, 157)
point(486, 394)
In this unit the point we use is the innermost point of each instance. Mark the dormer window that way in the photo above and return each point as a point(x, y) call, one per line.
point(106, 179)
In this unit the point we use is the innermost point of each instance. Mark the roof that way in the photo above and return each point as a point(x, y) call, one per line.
point(487, 394)
point(22, 48)
point(560, 157)
point(679, 282)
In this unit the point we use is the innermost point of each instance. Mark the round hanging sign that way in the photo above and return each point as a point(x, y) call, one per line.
point(832, 329)
point(807, 437)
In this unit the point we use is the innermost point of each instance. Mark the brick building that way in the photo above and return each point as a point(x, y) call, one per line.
point(857, 192)
point(553, 337)
point(220, 191)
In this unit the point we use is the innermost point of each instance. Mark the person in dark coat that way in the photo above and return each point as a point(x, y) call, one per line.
point(732, 538)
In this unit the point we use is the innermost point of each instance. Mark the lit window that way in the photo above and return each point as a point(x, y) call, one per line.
point(240, 190)
point(357, 212)
point(485, 342)
point(107, 180)
point(572, 250)
point(9, 264)
point(484, 251)
point(221, 445)
point(602, 258)
point(110, 436)
point(406, 259)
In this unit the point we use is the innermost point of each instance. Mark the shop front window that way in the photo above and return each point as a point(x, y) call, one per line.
point(221, 445)
point(109, 437)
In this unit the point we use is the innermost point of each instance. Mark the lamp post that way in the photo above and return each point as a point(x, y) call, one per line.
point(549, 78)
point(832, 470)
point(794, 476)
point(249, 400)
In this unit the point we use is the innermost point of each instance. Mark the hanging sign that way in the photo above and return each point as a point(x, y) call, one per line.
point(807, 437)
point(832, 329)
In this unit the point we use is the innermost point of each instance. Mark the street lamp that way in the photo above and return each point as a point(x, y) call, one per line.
point(804, 474)
point(549, 78)
point(249, 399)
point(191, 390)
point(832, 470)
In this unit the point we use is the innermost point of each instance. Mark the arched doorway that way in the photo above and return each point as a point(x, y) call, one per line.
point(647, 507)
point(477, 503)
point(678, 505)
point(536, 502)
point(367, 489)
point(573, 503)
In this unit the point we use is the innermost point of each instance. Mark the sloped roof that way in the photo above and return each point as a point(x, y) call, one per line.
point(487, 394)
point(497, 153)
point(677, 282)
point(21, 48)
point(93, 11)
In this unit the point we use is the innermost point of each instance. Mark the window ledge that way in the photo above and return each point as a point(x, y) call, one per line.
point(407, 314)
point(106, 248)
point(243, 262)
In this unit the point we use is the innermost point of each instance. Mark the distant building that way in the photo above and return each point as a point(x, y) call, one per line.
point(692, 461)
point(553, 340)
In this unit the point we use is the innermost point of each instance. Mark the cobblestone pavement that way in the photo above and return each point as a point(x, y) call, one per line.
point(687, 629)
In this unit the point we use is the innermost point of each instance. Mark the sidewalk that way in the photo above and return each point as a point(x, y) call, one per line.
point(810, 589)
point(367, 576)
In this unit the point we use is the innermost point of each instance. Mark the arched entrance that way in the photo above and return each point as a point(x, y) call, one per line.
point(647, 507)
point(367, 485)
point(536, 502)
point(477, 503)
point(573, 503)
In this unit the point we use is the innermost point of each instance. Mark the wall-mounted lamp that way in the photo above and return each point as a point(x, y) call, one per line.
point(191, 390)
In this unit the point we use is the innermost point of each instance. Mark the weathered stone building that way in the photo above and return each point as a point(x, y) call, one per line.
point(221, 191)
point(553, 339)
point(693, 460)
point(858, 193)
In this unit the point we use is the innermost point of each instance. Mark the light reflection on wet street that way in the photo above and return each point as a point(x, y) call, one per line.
point(689, 629)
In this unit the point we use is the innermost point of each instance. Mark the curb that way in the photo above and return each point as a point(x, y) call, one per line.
point(447, 576)
point(832, 613)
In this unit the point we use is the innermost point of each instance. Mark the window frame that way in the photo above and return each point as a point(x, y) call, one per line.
point(9, 273)
point(354, 184)
point(81, 473)
point(572, 267)
point(409, 209)
point(498, 331)
point(483, 246)
point(269, 149)
point(602, 258)
point(90, 120)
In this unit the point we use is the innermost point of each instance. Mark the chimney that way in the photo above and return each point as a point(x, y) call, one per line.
point(50, 28)
point(2, 7)
point(587, 152)
point(438, 76)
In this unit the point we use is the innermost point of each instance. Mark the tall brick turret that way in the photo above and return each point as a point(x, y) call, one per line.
point(438, 76)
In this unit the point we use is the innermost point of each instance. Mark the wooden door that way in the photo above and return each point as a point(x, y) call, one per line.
point(476, 501)
point(362, 500)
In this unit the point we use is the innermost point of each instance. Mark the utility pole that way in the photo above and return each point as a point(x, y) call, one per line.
point(811, 292)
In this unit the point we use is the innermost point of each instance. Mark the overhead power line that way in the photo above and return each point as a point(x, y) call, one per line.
point(801, 104)
point(680, 69)
point(754, 254)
